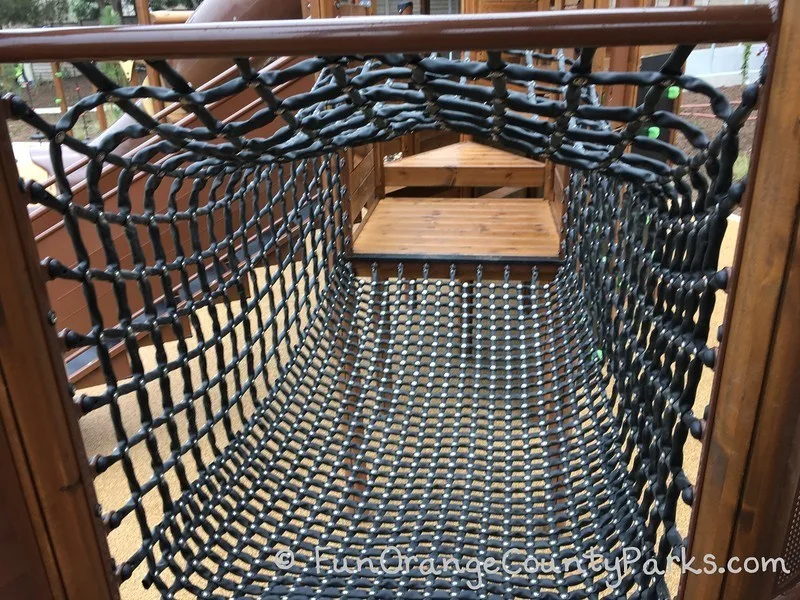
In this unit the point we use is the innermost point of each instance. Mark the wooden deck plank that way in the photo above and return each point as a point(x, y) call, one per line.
point(466, 228)
point(465, 164)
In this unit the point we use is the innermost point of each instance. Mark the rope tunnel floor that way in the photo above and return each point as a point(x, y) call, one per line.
point(463, 423)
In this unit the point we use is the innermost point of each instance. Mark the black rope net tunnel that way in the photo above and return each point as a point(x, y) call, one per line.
point(277, 403)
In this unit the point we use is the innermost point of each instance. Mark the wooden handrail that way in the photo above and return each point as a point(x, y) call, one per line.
point(393, 34)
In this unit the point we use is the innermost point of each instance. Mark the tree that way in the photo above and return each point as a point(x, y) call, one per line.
point(34, 13)
point(84, 10)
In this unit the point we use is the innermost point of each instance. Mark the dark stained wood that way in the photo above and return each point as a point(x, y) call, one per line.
point(793, 593)
point(342, 37)
point(751, 340)
point(36, 386)
point(380, 176)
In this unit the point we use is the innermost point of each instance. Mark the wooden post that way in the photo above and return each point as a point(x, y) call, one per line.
point(738, 488)
point(410, 144)
point(26, 568)
point(102, 120)
point(37, 413)
point(773, 471)
point(58, 84)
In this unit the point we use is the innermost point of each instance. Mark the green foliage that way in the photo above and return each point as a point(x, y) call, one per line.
point(109, 16)
point(9, 77)
point(748, 51)
point(112, 70)
point(34, 13)
point(84, 10)
point(116, 111)
point(741, 167)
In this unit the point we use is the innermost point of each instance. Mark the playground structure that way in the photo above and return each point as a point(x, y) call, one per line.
point(492, 342)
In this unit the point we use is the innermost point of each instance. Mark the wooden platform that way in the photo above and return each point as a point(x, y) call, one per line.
point(463, 229)
point(465, 164)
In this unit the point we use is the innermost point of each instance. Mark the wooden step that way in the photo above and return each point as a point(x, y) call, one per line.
point(465, 164)
point(469, 230)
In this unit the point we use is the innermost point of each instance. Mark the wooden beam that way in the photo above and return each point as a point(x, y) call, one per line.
point(39, 402)
point(102, 120)
point(27, 570)
point(759, 280)
point(773, 470)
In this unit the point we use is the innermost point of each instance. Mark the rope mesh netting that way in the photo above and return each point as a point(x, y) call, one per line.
point(276, 402)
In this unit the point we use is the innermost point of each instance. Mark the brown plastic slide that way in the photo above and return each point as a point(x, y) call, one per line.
point(52, 239)
point(210, 11)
